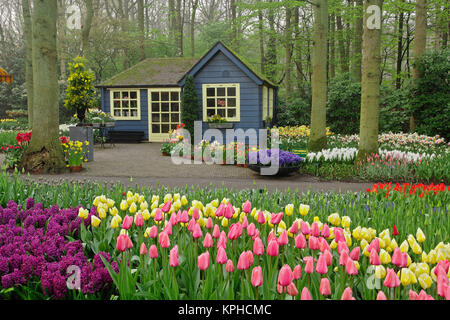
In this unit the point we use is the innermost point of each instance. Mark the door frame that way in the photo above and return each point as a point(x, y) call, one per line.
point(160, 137)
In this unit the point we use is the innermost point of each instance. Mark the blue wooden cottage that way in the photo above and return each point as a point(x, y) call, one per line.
point(147, 97)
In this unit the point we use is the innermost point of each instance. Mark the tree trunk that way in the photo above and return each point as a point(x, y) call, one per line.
point(261, 39)
point(123, 13)
point(87, 24)
point(192, 26)
point(271, 59)
point(44, 154)
point(61, 32)
point(357, 45)
point(298, 52)
point(28, 35)
point(288, 47)
point(318, 137)
point(420, 40)
point(178, 30)
point(141, 29)
point(234, 32)
point(342, 44)
point(332, 61)
point(437, 39)
point(370, 82)
point(398, 79)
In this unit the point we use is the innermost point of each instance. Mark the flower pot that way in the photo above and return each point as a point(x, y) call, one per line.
point(110, 124)
point(76, 168)
point(165, 154)
point(96, 125)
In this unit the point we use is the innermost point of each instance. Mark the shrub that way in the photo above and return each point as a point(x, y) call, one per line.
point(191, 107)
point(394, 114)
point(298, 112)
point(430, 94)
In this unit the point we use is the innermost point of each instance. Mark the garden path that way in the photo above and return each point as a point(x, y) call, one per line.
point(144, 163)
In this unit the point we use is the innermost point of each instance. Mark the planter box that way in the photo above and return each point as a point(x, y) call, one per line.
point(110, 124)
point(84, 134)
point(225, 125)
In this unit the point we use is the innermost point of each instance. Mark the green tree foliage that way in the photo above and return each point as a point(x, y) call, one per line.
point(80, 92)
point(191, 108)
point(430, 94)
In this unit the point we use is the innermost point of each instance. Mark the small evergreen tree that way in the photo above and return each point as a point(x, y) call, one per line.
point(80, 93)
point(190, 106)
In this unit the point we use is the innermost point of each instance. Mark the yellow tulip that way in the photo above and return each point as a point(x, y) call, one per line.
point(176, 205)
point(420, 235)
point(124, 205)
point(393, 244)
point(83, 213)
point(215, 203)
point(176, 197)
point(224, 222)
point(123, 231)
point(425, 281)
point(154, 205)
point(114, 223)
point(333, 245)
point(404, 246)
point(289, 209)
point(334, 219)
point(405, 277)
point(372, 233)
point(95, 222)
point(143, 205)
point(363, 244)
point(282, 225)
point(101, 213)
point(133, 208)
point(432, 257)
point(113, 211)
point(346, 221)
point(304, 209)
point(110, 203)
point(357, 233)
point(380, 272)
point(168, 197)
point(385, 258)
point(253, 213)
point(155, 198)
point(184, 201)
point(146, 215)
point(357, 265)
point(348, 239)
point(421, 268)
point(416, 248)
point(411, 240)
point(96, 201)
point(202, 222)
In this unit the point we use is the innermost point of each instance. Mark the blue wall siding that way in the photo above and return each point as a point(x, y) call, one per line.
point(132, 125)
point(250, 95)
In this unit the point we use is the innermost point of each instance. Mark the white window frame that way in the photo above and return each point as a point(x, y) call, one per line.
point(138, 98)
point(237, 118)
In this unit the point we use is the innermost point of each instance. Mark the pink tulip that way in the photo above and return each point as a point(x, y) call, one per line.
point(221, 257)
point(348, 294)
point(261, 218)
point(309, 266)
point(257, 277)
point(323, 245)
point(325, 288)
point(342, 245)
point(191, 224)
point(273, 248)
point(164, 240)
point(235, 231)
point(321, 266)
point(283, 239)
point(153, 233)
point(442, 264)
point(292, 290)
point(166, 207)
point(208, 241)
point(184, 218)
point(153, 252)
point(158, 215)
point(251, 229)
point(297, 272)
point(220, 210)
point(397, 257)
point(300, 241)
point(195, 213)
point(243, 262)
point(315, 231)
point(343, 258)
point(381, 296)
point(354, 254)
point(374, 258)
point(375, 244)
point(294, 228)
point(247, 207)
point(391, 280)
point(256, 235)
point(173, 219)
point(305, 294)
point(422, 295)
point(245, 222)
point(230, 266)
point(173, 257)
point(413, 295)
point(328, 257)
point(168, 229)
point(229, 211)
point(271, 237)
point(338, 235)
point(197, 231)
point(285, 276)
point(258, 247)
point(313, 243)
point(179, 216)
point(250, 257)
point(350, 267)
point(276, 218)
point(216, 232)
point(139, 220)
point(122, 243)
point(209, 223)
point(304, 228)
point(222, 240)
point(325, 231)
point(127, 222)
point(203, 261)
point(143, 249)
point(281, 289)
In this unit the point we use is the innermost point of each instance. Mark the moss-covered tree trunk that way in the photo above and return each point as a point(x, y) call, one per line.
point(357, 41)
point(29, 59)
point(288, 47)
point(87, 24)
point(370, 83)
point(420, 41)
point(271, 60)
point(141, 30)
point(318, 136)
point(44, 153)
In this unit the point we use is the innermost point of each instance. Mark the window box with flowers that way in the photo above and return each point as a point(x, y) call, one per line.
point(217, 122)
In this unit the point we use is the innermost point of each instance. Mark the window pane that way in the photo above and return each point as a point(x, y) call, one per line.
point(116, 95)
point(164, 96)
point(117, 113)
point(116, 104)
point(125, 95)
point(221, 112)
point(175, 117)
point(156, 128)
point(155, 107)
point(173, 126)
point(211, 92)
point(210, 112)
point(231, 113)
point(231, 92)
point(231, 102)
point(155, 96)
point(165, 107)
point(221, 103)
point(125, 104)
point(155, 117)
point(174, 96)
point(134, 113)
point(133, 94)
point(165, 117)
point(165, 128)
point(133, 104)
point(220, 92)
point(175, 107)
point(125, 113)
point(210, 103)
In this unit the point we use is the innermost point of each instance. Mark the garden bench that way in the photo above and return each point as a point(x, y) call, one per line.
point(125, 136)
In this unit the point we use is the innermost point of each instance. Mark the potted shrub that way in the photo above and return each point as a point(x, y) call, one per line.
point(75, 154)
point(217, 122)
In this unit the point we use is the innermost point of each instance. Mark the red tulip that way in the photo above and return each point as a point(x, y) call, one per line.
point(394, 230)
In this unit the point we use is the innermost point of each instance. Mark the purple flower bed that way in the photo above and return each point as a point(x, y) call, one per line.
point(287, 159)
point(34, 247)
